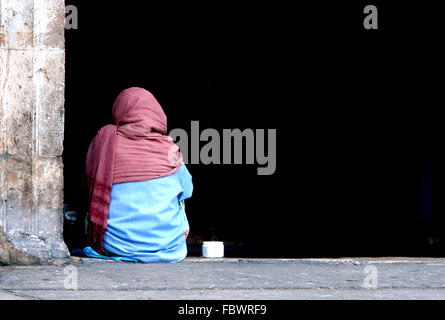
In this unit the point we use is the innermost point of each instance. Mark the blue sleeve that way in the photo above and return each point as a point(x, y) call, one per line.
point(186, 183)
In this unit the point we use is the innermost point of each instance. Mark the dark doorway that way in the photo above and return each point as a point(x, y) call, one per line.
point(356, 113)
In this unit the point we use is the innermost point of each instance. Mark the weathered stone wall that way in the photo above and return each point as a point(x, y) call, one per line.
point(32, 81)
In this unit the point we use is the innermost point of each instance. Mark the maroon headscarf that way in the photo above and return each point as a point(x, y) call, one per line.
point(134, 148)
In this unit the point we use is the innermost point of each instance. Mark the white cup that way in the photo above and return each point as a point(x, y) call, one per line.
point(213, 249)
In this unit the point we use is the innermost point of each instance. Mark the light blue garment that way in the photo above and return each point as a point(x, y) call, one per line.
point(146, 222)
point(90, 252)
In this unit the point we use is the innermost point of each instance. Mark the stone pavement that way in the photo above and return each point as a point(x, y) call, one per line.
point(229, 279)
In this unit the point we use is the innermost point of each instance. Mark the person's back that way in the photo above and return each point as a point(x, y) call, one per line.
point(146, 221)
point(137, 184)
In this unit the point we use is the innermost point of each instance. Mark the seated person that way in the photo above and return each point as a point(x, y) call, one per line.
point(137, 185)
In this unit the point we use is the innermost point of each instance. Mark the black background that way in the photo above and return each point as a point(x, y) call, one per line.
point(358, 113)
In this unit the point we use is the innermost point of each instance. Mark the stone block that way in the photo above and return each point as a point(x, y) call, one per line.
point(17, 24)
point(16, 208)
point(49, 80)
point(49, 23)
point(3, 57)
point(9, 255)
point(16, 102)
point(31, 209)
point(48, 196)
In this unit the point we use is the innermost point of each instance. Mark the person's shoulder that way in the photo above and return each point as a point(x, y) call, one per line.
point(183, 167)
point(106, 129)
point(183, 170)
